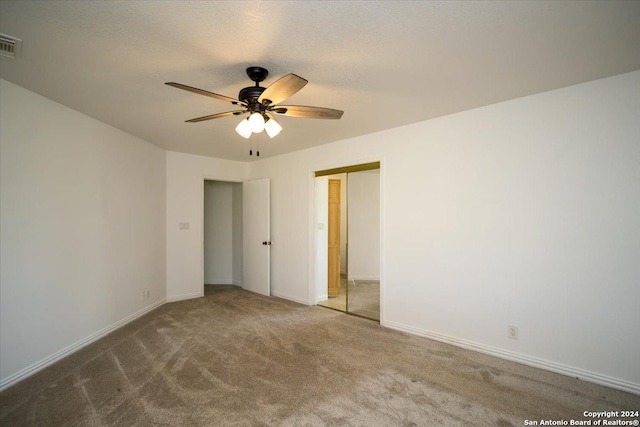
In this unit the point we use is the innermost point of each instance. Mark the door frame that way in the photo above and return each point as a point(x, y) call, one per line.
point(203, 178)
point(313, 234)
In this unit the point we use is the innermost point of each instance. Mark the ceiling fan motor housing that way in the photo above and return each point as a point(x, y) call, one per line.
point(251, 92)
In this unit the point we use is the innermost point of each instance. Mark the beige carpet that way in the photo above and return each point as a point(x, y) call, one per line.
point(234, 358)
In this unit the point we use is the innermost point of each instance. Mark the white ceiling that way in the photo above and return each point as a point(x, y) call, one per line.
point(385, 63)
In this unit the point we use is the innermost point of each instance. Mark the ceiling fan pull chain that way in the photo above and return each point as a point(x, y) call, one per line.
point(258, 145)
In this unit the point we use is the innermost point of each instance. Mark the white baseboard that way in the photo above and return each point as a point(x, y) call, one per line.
point(49, 360)
point(182, 297)
point(290, 297)
point(520, 358)
point(236, 283)
point(364, 278)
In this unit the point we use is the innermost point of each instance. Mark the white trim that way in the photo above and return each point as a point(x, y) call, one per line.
point(383, 282)
point(219, 281)
point(49, 360)
point(365, 278)
point(183, 297)
point(236, 283)
point(312, 237)
point(290, 298)
point(520, 358)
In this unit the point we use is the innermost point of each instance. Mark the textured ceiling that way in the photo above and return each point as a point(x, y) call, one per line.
point(386, 63)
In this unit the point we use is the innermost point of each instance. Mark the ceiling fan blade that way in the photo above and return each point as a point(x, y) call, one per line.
point(307, 112)
point(217, 116)
point(282, 89)
point(206, 93)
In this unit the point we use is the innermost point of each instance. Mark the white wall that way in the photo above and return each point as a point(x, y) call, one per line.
point(82, 229)
point(364, 225)
point(218, 233)
point(185, 193)
point(521, 213)
point(236, 243)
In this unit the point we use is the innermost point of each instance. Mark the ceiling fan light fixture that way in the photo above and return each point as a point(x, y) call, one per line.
point(257, 122)
point(272, 127)
point(262, 103)
point(244, 128)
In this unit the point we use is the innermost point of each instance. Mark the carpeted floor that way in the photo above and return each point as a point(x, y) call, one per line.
point(234, 358)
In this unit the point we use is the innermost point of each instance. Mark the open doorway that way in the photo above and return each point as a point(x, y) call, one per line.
point(348, 240)
point(222, 235)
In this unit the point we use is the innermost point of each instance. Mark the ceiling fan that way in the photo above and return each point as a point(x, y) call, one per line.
point(263, 103)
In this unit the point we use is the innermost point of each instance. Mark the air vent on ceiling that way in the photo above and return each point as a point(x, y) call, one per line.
point(10, 46)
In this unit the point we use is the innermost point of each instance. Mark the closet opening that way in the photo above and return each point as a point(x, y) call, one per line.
point(348, 239)
point(222, 235)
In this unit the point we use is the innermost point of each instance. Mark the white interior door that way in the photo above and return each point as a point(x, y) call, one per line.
point(256, 239)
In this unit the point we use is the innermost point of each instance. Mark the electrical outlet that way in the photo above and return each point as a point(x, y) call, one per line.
point(183, 226)
point(512, 332)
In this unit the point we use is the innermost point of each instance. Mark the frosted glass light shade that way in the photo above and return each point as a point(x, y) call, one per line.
point(244, 128)
point(272, 127)
point(257, 122)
